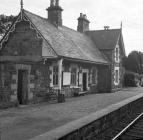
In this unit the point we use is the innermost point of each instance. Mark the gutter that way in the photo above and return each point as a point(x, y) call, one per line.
point(85, 61)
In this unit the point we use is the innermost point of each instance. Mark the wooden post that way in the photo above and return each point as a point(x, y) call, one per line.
point(60, 64)
point(61, 97)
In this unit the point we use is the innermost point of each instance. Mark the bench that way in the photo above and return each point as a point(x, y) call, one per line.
point(82, 93)
point(77, 92)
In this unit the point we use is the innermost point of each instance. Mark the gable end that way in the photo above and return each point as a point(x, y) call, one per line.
point(23, 18)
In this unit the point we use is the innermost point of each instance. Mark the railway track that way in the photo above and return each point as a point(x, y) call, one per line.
point(128, 128)
point(132, 131)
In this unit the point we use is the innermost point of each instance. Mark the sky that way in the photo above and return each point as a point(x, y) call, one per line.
point(99, 12)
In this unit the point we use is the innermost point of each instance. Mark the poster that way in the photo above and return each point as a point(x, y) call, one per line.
point(66, 78)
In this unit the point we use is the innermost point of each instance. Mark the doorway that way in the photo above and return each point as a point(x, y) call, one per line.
point(84, 81)
point(22, 90)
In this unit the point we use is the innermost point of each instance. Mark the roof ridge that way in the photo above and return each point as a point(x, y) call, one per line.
point(73, 30)
point(34, 14)
point(95, 48)
point(102, 30)
point(105, 39)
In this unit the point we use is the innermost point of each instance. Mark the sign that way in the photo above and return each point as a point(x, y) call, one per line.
point(66, 78)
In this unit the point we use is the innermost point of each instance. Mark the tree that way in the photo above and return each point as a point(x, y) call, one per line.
point(134, 62)
point(5, 22)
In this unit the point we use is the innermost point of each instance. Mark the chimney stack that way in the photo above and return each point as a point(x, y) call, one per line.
point(83, 23)
point(55, 13)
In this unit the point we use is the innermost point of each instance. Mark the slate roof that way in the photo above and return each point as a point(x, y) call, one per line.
point(105, 39)
point(67, 42)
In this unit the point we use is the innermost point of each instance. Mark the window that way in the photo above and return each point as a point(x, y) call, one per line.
point(94, 76)
point(117, 53)
point(55, 75)
point(116, 76)
point(73, 76)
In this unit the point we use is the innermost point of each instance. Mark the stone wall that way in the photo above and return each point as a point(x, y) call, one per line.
point(121, 71)
point(6, 83)
point(110, 54)
point(81, 67)
point(94, 125)
point(22, 41)
point(38, 83)
point(104, 79)
point(40, 78)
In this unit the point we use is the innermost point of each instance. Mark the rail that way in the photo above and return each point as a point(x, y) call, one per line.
point(117, 137)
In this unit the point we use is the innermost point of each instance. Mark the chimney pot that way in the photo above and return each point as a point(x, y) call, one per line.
point(57, 3)
point(81, 15)
point(52, 3)
point(84, 16)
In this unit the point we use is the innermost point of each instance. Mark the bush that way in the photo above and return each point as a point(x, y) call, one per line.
point(131, 79)
point(4, 105)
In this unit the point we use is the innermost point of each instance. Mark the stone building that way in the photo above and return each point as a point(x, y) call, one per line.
point(39, 54)
point(110, 43)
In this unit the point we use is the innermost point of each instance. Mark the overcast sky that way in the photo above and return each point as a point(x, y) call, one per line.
point(99, 12)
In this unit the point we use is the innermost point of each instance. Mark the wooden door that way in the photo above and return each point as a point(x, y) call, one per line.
point(84, 81)
point(22, 91)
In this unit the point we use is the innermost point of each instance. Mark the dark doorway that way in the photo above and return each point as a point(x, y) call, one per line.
point(22, 90)
point(84, 81)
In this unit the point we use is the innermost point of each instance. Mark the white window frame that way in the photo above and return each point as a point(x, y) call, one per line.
point(116, 79)
point(77, 75)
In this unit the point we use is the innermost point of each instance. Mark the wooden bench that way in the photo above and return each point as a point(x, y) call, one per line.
point(82, 93)
point(77, 92)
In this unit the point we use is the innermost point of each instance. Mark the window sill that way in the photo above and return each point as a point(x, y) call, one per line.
point(116, 84)
point(93, 84)
point(117, 61)
point(55, 86)
point(74, 86)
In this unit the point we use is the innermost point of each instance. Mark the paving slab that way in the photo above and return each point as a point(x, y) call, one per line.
point(25, 122)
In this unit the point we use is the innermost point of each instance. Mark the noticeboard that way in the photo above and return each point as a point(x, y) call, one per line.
point(66, 78)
